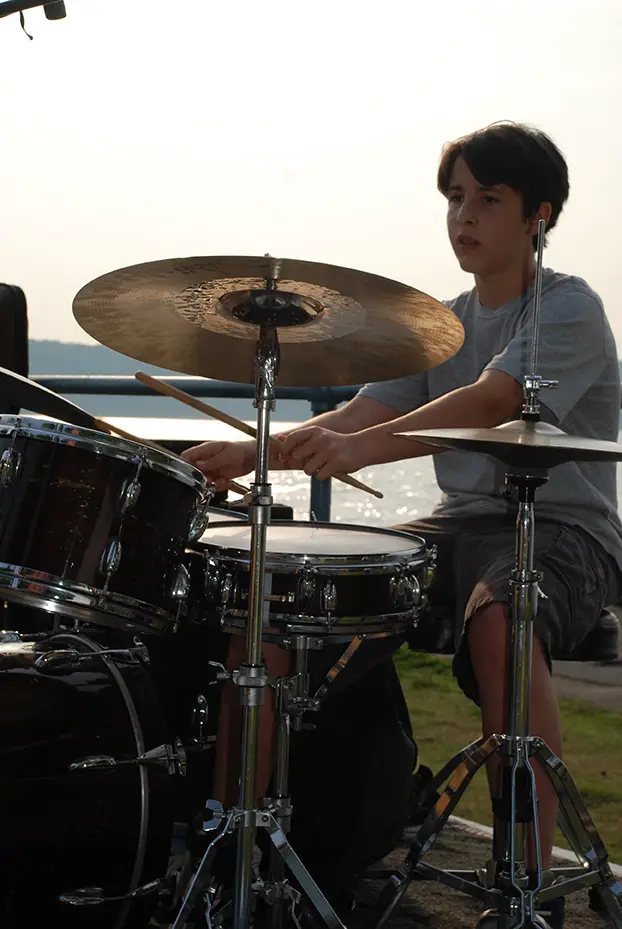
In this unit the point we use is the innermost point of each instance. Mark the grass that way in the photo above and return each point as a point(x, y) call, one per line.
point(444, 721)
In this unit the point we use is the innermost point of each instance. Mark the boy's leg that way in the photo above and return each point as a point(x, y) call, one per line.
point(579, 579)
point(488, 644)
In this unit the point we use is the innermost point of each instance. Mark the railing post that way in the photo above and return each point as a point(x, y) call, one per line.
point(319, 506)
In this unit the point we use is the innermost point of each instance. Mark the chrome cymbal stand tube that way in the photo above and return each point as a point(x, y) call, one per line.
point(251, 678)
point(508, 888)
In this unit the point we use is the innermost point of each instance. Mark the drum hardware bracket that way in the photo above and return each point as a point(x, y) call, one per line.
point(94, 896)
point(289, 597)
point(263, 819)
point(303, 642)
point(251, 677)
point(281, 598)
point(200, 716)
point(164, 756)
point(61, 657)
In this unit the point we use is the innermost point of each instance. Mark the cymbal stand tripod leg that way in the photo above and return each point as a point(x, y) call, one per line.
point(512, 895)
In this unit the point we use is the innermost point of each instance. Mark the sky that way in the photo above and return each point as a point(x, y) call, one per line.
point(135, 130)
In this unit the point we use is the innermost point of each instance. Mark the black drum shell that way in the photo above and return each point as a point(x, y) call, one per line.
point(60, 513)
point(64, 830)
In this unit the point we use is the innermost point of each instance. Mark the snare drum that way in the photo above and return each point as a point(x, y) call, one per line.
point(95, 527)
point(322, 579)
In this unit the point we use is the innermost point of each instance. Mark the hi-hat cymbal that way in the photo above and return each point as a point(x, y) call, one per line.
point(522, 444)
point(335, 326)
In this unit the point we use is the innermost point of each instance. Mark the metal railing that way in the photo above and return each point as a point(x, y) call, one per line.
point(320, 399)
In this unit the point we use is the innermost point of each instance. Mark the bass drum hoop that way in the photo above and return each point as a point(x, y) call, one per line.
point(87, 645)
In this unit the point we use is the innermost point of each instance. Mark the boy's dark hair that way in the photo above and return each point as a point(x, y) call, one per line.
point(509, 153)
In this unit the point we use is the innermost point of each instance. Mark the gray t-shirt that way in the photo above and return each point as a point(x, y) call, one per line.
point(577, 348)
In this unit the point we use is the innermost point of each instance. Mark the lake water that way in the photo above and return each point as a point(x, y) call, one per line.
point(409, 487)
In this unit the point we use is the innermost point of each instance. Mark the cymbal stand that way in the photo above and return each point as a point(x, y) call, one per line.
point(263, 308)
point(508, 888)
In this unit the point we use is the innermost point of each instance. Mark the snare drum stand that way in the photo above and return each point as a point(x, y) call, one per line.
point(265, 308)
point(508, 887)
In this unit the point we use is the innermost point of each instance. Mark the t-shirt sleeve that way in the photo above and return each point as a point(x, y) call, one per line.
point(571, 349)
point(403, 394)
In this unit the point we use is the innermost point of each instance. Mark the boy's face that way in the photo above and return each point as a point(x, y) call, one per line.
point(487, 230)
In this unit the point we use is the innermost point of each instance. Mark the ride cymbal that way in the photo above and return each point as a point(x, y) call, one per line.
point(521, 443)
point(201, 316)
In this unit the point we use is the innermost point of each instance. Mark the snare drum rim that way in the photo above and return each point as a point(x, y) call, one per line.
point(288, 562)
point(101, 443)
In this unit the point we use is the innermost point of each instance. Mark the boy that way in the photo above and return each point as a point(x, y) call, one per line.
point(498, 182)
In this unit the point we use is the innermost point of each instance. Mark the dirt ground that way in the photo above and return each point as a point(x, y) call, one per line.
point(428, 905)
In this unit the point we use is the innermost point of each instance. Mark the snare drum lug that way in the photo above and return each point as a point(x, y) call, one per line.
point(128, 498)
point(329, 597)
point(211, 580)
point(111, 557)
point(9, 466)
point(181, 584)
point(398, 590)
point(413, 592)
point(430, 570)
point(228, 591)
point(305, 586)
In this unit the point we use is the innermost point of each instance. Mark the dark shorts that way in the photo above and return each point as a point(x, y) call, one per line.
point(474, 564)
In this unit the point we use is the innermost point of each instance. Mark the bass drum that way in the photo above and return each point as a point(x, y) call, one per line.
point(80, 819)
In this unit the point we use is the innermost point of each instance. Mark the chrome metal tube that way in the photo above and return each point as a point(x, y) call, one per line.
point(523, 607)
point(537, 297)
point(511, 826)
point(253, 679)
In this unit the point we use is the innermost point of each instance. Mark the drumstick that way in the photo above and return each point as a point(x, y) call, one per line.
point(170, 391)
point(108, 427)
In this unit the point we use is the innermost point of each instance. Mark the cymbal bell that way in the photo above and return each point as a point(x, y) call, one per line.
point(200, 316)
point(521, 444)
